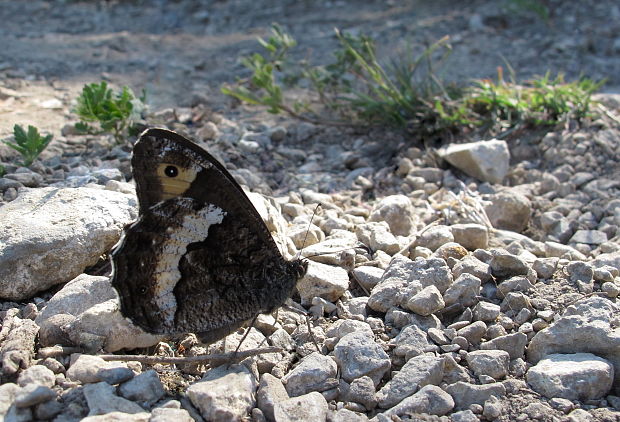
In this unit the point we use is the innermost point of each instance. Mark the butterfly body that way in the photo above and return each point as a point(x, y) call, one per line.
point(199, 259)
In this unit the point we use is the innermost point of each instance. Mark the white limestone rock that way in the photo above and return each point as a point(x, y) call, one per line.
point(50, 235)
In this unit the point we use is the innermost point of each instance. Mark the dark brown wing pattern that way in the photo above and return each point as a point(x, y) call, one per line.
point(199, 258)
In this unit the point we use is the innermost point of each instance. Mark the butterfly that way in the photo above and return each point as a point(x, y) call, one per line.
point(199, 258)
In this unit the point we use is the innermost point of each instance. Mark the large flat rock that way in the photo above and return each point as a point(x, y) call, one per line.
point(48, 236)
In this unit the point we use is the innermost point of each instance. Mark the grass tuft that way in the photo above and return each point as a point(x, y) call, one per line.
point(540, 101)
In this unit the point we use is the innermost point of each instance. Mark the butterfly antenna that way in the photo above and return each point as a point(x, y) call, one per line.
point(303, 245)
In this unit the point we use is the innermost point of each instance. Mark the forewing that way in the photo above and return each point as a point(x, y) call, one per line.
point(176, 275)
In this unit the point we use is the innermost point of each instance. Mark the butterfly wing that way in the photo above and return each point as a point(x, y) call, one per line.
point(199, 258)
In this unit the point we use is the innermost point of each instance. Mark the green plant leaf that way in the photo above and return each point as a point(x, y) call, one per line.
point(113, 113)
point(29, 143)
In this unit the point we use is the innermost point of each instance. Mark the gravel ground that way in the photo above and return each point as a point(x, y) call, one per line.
point(472, 298)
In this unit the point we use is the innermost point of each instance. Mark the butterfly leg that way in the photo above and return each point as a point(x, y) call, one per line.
point(307, 316)
point(243, 338)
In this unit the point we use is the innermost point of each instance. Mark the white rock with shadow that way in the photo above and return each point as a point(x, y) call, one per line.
point(86, 312)
point(50, 235)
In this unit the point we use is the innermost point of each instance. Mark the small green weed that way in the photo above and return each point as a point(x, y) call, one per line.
point(355, 85)
point(262, 88)
point(112, 112)
point(556, 99)
point(2, 170)
point(540, 101)
point(29, 144)
point(406, 93)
